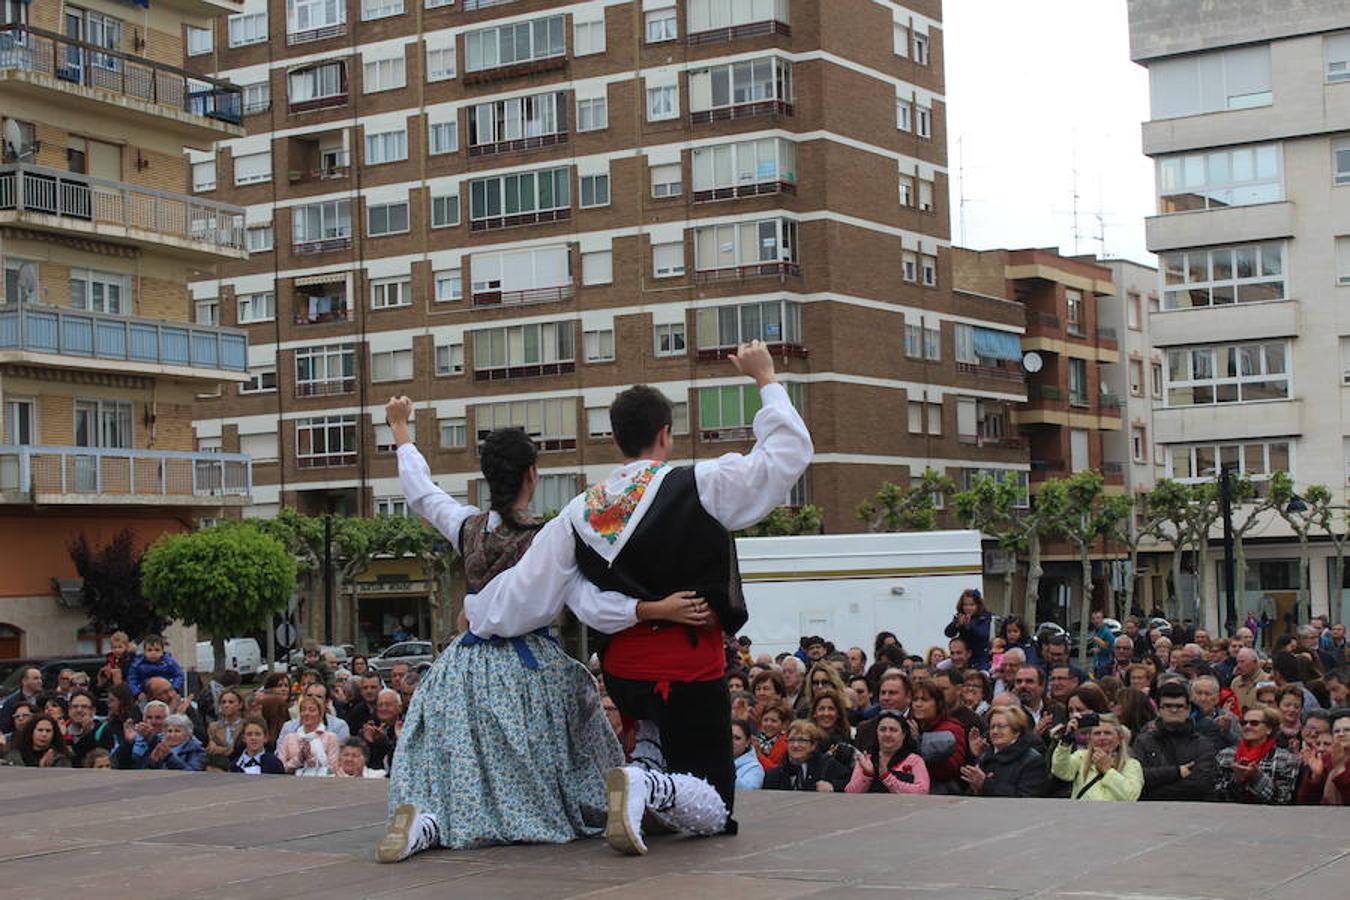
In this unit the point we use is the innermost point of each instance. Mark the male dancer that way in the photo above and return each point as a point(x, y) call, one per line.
point(649, 530)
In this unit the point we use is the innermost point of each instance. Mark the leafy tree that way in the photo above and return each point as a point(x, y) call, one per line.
point(227, 580)
point(1247, 499)
point(997, 507)
point(1186, 514)
point(910, 508)
point(1083, 514)
point(787, 521)
point(112, 585)
point(1318, 512)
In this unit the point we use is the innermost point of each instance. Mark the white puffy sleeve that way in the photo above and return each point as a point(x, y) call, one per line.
point(445, 513)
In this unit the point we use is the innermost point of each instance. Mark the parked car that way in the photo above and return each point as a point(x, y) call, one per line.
point(419, 655)
point(297, 657)
point(243, 655)
point(11, 669)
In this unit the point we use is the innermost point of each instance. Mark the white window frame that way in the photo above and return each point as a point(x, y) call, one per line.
point(257, 97)
point(445, 210)
point(247, 28)
point(1220, 282)
point(909, 266)
point(394, 362)
point(667, 180)
point(442, 64)
point(670, 339)
point(1217, 452)
point(258, 307)
point(330, 78)
point(204, 176)
point(598, 345)
point(923, 121)
point(1337, 56)
point(391, 506)
point(259, 238)
point(592, 113)
point(668, 259)
point(386, 146)
point(312, 15)
point(330, 364)
point(661, 25)
point(920, 54)
point(496, 189)
point(598, 185)
point(1210, 357)
point(927, 270)
point(98, 291)
point(380, 9)
point(1178, 174)
point(452, 281)
point(339, 428)
point(390, 293)
point(483, 47)
point(748, 243)
point(779, 83)
point(505, 347)
point(597, 267)
point(904, 114)
point(742, 166)
point(551, 423)
point(378, 75)
point(727, 326)
point(453, 432)
point(663, 103)
point(449, 359)
point(390, 212)
point(442, 137)
point(206, 311)
point(1340, 161)
point(588, 35)
point(257, 177)
point(200, 41)
point(518, 121)
point(257, 381)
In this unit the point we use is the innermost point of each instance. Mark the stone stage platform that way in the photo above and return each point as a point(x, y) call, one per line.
point(146, 835)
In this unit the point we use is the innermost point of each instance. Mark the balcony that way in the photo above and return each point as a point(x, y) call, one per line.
point(70, 338)
point(87, 475)
point(754, 270)
point(779, 349)
point(519, 144)
point(1113, 473)
point(52, 200)
point(745, 190)
point(517, 219)
point(742, 111)
point(322, 33)
point(1002, 441)
point(327, 387)
point(739, 32)
point(535, 370)
point(335, 167)
point(725, 435)
point(95, 79)
point(515, 70)
point(329, 101)
point(979, 370)
point(322, 245)
point(494, 299)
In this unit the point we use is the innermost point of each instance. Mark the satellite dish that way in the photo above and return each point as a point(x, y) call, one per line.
point(28, 282)
point(1032, 362)
point(15, 146)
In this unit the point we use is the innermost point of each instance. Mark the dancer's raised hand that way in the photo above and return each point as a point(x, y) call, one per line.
point(681, 608)
point(753, 360)
point(398, 411)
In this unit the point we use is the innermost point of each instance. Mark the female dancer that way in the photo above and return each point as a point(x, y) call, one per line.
point(504, 740)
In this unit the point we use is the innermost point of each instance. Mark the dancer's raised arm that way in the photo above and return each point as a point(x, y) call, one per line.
point(740, 489)
point(445, 513)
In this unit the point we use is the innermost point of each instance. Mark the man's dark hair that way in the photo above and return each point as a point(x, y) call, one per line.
point(1174, 689)
point(637, 416)
point(359, 745)
point(152, 640)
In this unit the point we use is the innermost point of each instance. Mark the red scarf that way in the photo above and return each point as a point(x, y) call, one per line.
point(1248, 752)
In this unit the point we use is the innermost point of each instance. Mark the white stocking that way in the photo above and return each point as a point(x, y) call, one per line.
point(686, 803)
point(647, 753)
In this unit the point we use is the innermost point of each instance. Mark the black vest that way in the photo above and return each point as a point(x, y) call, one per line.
point(677, 546)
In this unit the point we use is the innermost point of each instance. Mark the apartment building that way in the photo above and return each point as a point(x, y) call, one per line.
point(100, 361)
point(1250, 131)
point(1066, 356)
point(511, 210)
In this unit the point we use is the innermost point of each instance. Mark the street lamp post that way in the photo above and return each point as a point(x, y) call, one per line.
point(1229, 567)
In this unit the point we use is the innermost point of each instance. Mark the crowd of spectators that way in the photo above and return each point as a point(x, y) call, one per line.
point(997, 712)
point(322, 720)
point(1001, 712)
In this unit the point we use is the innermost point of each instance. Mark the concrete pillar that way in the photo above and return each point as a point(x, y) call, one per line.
point(1318, 584)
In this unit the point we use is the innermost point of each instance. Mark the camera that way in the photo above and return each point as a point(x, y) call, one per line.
point(1089, 720)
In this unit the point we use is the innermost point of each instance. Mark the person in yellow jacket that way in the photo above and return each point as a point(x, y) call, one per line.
point(1104, 769)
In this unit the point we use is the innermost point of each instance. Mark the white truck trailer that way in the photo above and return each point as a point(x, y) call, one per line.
point(847, 587)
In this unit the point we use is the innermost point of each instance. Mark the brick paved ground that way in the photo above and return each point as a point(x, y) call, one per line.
point(147, 835)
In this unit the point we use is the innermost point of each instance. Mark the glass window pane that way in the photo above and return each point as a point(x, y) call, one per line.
point(1279, 457)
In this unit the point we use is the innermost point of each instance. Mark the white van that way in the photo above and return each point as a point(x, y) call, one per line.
point(241, 654)
point(848, 587)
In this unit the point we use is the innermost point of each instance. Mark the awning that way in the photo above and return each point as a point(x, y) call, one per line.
point(992, 344)
point(329, 278)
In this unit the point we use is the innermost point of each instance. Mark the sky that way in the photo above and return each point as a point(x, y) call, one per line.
point(1037, 89)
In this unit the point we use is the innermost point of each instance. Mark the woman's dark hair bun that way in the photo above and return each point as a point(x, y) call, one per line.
point(506, 455)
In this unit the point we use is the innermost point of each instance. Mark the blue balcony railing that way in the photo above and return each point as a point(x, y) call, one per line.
point(104, 336)
point(81, 474)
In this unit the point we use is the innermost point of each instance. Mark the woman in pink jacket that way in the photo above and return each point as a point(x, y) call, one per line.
point(312, 749)
point(895, 766)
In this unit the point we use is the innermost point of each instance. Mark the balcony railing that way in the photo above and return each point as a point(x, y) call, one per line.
point(782, 350)
point(1113, 472)
point(491, 299)
point(526, 371)
point(471, 5)
point(304, 317)
point(326, 102)
point(515, 70)
point(1038, 392)
point(529, 218)
point(1003, 441)
point(742, 111)
point(83, 474)
point(323, 245)
point(513, 146)
point(982, 371)
point(213, 227)
point(88, 65)
point(1048, 468)
point(1042, 321)
point(339, 167)
point(94, 335)
point(730, 433)
point(737, 32)
point(328, 387)
point(745, 190)
point(337, 29)
point(755, 270)
point(325, 460)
